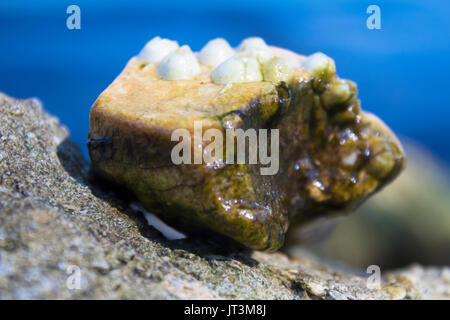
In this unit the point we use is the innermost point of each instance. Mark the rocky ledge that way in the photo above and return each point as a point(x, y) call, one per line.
point(57, 225)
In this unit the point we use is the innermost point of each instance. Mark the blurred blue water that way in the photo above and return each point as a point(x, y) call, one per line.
point(402, 70)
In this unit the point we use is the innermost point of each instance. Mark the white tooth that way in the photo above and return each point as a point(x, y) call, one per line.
point(156, 49)
point(320, 66)
point(254, 42)
point(279, 69)
point(181, 64)
point(239, 68)
point(252, 69)
point(232, 70)
point(215, 52)
point(257, 47)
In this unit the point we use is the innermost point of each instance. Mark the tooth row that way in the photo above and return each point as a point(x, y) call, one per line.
point(253, 60)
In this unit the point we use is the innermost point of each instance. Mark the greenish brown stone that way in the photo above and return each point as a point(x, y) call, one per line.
point(332, 155)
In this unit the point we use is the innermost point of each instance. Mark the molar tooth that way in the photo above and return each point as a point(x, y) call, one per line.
point(253, 42)
point(381, 165)
point(256, 47)
point(338, 92)
point(382, 161)
point(181, 64)
point(320, 66)
point(156, 49)
point(215, 52)
point(278, 69)
point(239, 68)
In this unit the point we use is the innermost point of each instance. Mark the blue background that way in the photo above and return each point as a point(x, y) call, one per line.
point(402, 70)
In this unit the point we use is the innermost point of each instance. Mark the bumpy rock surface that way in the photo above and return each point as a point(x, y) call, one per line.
point(53, 216)
point(407, 221)
point(332, 155)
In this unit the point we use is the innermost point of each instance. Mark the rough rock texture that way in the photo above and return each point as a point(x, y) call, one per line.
point(53, 215)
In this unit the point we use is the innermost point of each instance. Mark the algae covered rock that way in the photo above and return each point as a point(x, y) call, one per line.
point(408, 221)
point(327, 155)
point(55, 219)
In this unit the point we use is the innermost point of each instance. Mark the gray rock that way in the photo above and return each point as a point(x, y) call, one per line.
point(57, 222)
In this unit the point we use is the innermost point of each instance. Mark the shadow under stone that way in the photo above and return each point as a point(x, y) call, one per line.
point(206, 244)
